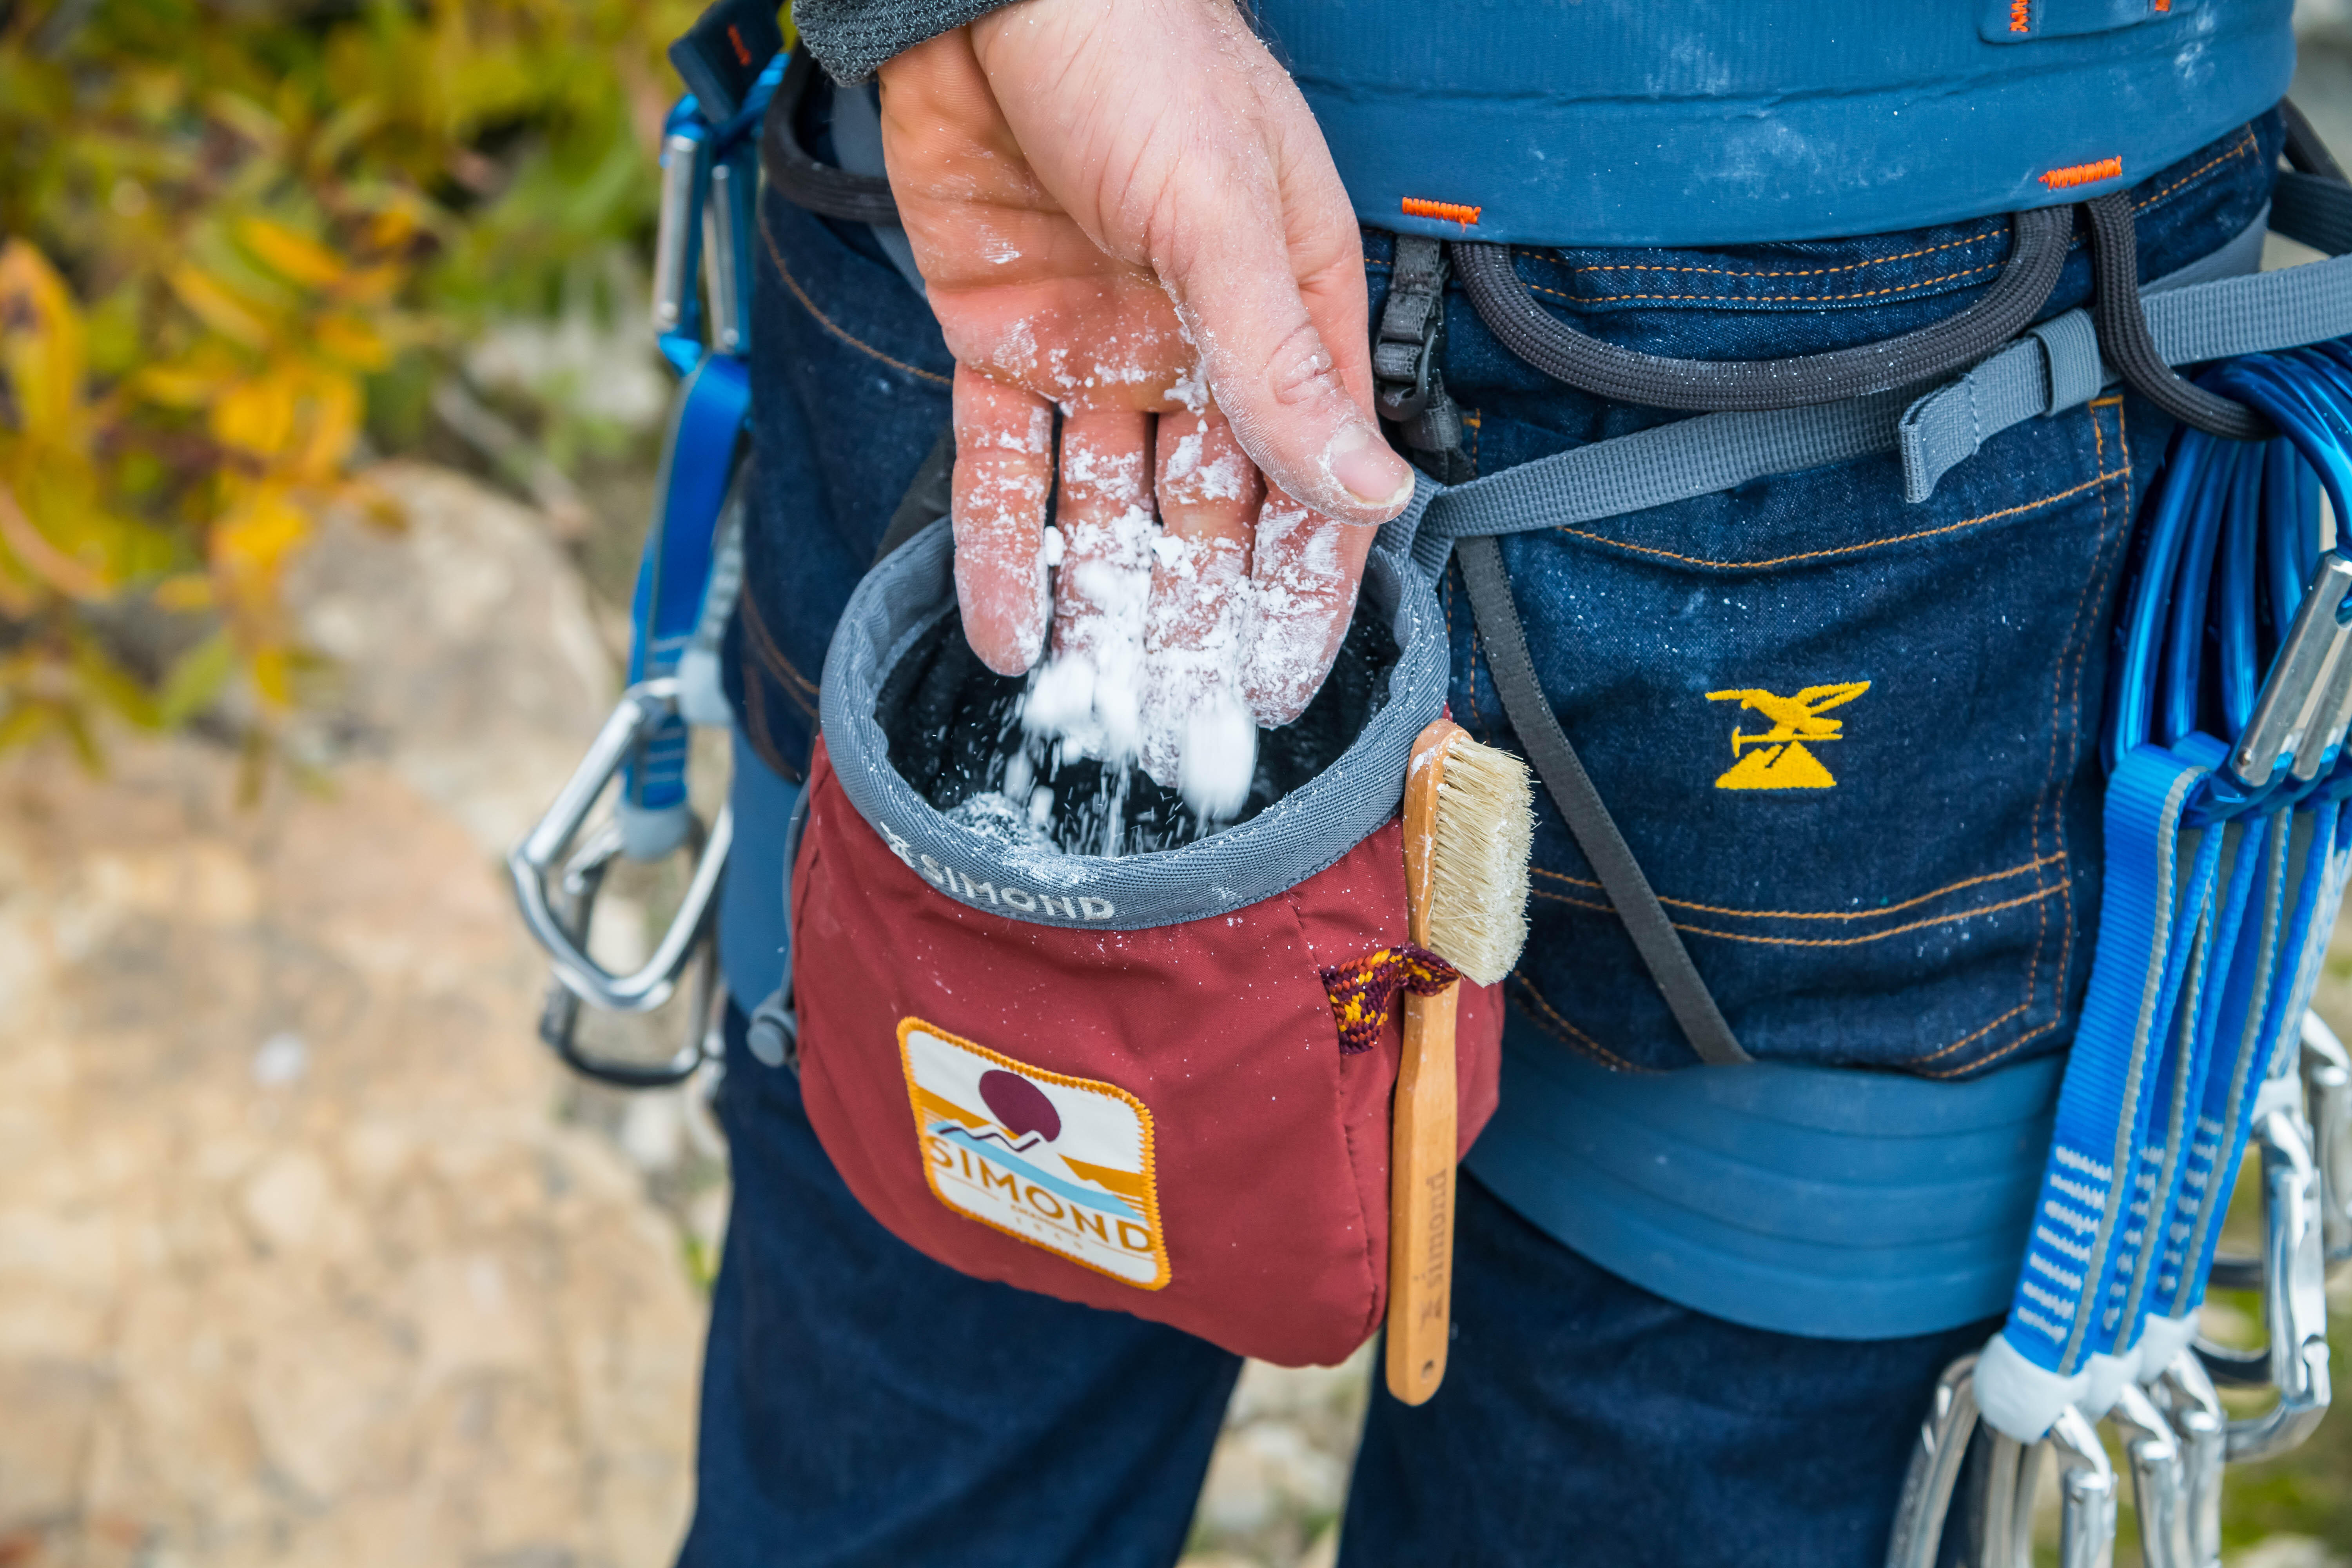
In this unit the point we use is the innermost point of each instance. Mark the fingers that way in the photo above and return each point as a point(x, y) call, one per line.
point(1276, 379)
point(1304, 570)
point(1104, 515)
point(1090, 695)
point(1003, 466)
point(1197, 733)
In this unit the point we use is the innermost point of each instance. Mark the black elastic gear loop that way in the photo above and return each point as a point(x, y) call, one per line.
point(798, 177)
point(2037, 252)
point(2130, 347)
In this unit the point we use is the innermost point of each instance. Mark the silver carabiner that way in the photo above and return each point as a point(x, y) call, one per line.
point(2012, 1472)
point(2004, 1533)
point(726, 219)
point(643, 709)
point(1935, 1468)
point(2200, 1426)
point(2327, 1102)
point(2159, 1488)
point(559, 1018)
point(2295, 718)
point(685, 159)
point(2295, 1294)
point(2086, 1492)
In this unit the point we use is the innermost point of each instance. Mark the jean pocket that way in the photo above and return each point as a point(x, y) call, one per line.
point(1852, 743)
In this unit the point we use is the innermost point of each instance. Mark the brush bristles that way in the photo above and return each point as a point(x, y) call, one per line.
point(1478, 876)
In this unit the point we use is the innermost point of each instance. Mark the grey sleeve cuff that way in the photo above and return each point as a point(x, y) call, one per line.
point(851, 38)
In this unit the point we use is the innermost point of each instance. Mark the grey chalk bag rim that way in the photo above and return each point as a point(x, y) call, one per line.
point(1306, 831)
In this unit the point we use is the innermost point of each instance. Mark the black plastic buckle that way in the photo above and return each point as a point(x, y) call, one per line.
point(723, 53)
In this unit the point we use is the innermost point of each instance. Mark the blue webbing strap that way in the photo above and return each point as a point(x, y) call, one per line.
point(2193, 997)
point(674, 570)
point(712, 193)
point(2241, 950)
point(2182, 1058)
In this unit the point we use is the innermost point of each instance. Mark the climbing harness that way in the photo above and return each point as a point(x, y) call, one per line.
point(688, 579)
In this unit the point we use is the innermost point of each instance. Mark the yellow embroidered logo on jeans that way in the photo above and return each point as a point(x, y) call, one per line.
point(1780, 758)
point(1061, 1163)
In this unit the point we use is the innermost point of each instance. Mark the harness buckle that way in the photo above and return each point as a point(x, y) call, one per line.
point(1408, 350)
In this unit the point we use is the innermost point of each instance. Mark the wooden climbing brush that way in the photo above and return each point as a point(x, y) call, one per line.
point(1469, 819)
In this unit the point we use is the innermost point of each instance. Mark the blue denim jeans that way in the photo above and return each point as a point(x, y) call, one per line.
point(1928, 909)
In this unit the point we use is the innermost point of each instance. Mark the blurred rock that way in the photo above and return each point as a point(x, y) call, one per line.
point(297, 1261)
point(468, 656)
point(373, 1307)
point(2287, 1552)
point(1280, 1474)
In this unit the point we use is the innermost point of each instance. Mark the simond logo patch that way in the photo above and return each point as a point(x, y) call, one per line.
point(1781, 757)
point(1061, 1163)
point(1003, 894)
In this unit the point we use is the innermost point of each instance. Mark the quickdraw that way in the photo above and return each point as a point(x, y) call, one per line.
point(687, 578)
point(2227, 862)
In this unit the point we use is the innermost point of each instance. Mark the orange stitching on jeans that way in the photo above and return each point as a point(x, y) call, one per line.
point(827, 322)
point(2018, 869)
point(1966, 914)
point(1975, 1033)
point(1738, 272)
point(2244, 144)
point(1776, 298)
point(1569, 1031)
point(1843, 549)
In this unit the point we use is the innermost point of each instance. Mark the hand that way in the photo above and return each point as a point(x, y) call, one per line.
point(1123, 209)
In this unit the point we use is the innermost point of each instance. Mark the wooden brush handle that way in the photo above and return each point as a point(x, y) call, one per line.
point(1422, 1135)
point(1421, 1200)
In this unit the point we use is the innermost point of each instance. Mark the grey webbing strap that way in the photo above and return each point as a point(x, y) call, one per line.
point(1580, 807)
point(2204, 312)
point(2057, 366)
point(1654, 468)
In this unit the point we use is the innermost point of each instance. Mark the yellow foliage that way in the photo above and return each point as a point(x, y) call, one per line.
point(42, 348)
point(295, 256)
point(218, 306)
point(225, 222)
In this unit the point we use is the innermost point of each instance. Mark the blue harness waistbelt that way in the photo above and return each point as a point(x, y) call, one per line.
point(1622, 122)
point(1817, 1200)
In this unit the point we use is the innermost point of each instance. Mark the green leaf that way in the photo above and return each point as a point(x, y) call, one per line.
point(197, 679)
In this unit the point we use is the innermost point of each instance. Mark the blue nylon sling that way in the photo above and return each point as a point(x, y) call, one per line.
point(699, 450)
point(2201, 973)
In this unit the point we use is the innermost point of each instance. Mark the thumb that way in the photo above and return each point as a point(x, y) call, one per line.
point(1279, 369)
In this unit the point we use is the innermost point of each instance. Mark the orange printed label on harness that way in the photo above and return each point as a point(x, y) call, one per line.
point(1061, 1163)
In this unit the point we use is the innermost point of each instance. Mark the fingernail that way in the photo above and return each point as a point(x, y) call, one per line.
point(1363, 463)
